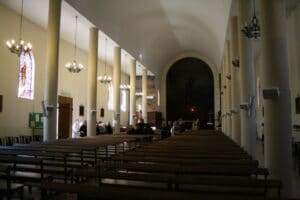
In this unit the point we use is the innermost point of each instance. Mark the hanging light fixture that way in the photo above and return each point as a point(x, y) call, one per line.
point(255, 27)
point(105, 79)
point(252, 29)
point(19, 46)
point(125, 86)
point(236, 62)
point(74, 66)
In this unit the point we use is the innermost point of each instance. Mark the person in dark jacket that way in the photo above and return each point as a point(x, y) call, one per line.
point(83, 129)
point(109, 129)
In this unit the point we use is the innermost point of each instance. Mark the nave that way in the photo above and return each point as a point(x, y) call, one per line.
point(108, 99)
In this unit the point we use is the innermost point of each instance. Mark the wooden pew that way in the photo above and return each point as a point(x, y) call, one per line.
point(190, 156)
point(230, 170)
point(174, 181)
point(112, 192)
point(187, 161)
point(7, 188)
point(26, 176)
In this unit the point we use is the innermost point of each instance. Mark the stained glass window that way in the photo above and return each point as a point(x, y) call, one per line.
point(26, 75)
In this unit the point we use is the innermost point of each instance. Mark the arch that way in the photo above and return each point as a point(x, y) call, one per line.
point(163, 79)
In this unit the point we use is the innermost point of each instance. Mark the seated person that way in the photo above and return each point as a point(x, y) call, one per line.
point(100, 128)
point(165, 131)
point(75, 129)
point(108, 128)
point(83, 129)
point(130, 130)
point(148, 130)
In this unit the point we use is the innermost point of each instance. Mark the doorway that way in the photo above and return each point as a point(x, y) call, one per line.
point(65, 114)
point(190, 92)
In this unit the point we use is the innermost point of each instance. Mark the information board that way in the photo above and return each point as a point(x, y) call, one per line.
point(36, 120)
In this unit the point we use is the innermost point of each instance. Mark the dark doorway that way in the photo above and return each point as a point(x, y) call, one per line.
point(65, 117)
point(190, 91)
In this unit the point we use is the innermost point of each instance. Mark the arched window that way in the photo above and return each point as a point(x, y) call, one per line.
point(123, 100)
point(26, 75)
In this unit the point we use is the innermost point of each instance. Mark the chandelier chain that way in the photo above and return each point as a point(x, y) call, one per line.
point(105, 56)
point(21, 20)
point(75, 37)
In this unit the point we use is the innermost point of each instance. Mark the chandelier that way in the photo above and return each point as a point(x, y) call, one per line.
point(105, 79)
point(252, 29)
point(74, 66)
point(236, 62)
point(125, 87)
point(19, 46)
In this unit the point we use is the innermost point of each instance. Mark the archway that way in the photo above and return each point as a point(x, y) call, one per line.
point(190, 91)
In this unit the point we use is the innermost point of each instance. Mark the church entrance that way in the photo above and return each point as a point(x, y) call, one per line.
point(190, 92)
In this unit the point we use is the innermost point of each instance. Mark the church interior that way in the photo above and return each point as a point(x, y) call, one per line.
point(150, 100)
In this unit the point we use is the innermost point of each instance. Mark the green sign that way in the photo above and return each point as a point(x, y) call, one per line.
point(36, 120)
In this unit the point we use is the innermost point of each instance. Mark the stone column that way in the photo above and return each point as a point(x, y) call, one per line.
point(235, 83)
point(275, 74)
point(248, 83)
point(228, 88)
point(132, 101)
point(223, 100)
point(51, 74)
point(144, 97)
point(92, 83)
point(116, 88)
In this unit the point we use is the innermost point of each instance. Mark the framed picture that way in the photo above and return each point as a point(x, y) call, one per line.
point(102, 112)
point(81, 110)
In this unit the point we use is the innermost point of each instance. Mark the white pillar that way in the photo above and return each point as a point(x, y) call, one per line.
point(116, 88)
point(275, 74)
point(92, 83)
point(223, 97)
point(51, 74)
point(235, 83)
point(144, 97)
point(248, 83)
point(228, 88)
point(132, 101)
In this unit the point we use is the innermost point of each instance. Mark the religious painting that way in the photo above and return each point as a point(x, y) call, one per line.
point(81, 110)
point(102, 112)
point(26, 75)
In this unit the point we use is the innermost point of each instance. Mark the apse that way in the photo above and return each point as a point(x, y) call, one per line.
point(190, 91)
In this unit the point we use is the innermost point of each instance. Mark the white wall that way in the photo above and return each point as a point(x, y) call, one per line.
point(14, 118)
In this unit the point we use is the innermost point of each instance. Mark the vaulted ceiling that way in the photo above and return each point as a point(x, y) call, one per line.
point(159, 30)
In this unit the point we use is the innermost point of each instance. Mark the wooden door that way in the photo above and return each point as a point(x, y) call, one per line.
point(65, 117)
